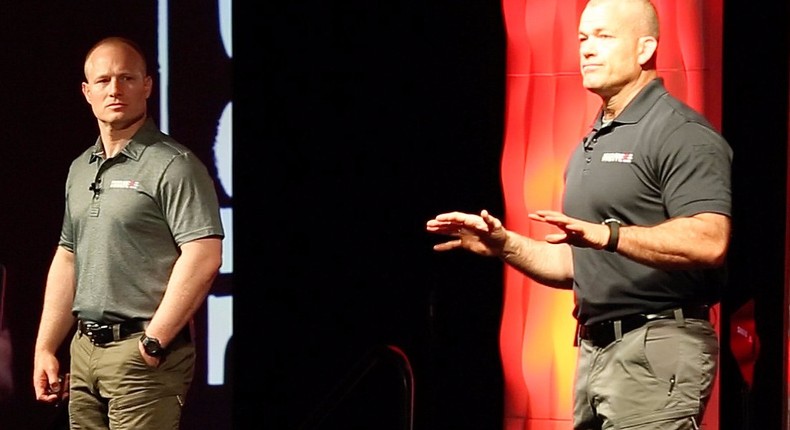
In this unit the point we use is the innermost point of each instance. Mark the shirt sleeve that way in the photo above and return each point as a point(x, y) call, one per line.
point(189, 200)
point(696, 174)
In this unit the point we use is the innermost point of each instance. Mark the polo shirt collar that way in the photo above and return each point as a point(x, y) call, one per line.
point(640, 105)
point(145, 136)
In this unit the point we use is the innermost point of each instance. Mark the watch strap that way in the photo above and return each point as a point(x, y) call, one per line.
point(614, 234)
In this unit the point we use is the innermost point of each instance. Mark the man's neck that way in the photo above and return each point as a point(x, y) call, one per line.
point(615, 104)
point(115, 138)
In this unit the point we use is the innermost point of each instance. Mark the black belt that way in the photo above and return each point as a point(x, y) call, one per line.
point(606, 332)
point(100, 333)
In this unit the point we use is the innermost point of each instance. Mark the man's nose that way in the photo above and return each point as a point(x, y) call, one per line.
point(115, 86)
point(585, 50)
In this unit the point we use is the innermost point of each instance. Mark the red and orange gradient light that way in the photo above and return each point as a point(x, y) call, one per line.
point(547, 113)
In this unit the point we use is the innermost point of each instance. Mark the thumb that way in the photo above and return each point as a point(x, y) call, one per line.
point(55, 382)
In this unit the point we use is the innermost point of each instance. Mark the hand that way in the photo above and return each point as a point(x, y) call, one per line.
point(573, 231)
point(48, 384)
point(482, 234)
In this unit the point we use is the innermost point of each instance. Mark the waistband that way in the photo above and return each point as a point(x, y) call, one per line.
point(101, 333)
point(603, 333)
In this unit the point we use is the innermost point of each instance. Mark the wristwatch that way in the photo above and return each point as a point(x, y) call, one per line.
point(614, 234)
point(152, 346)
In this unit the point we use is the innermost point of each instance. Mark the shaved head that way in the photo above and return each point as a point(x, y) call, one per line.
point(117, 41)
point(644, 14)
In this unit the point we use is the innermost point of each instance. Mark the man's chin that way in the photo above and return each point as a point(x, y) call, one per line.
point(122, 121)
point(592, 86)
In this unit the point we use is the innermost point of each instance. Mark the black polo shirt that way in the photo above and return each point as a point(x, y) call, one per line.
point(657, 160)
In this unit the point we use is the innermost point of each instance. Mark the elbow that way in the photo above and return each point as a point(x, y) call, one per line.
point(216, 263)
point(212, 257)
point(719, 259)
point(709, 240)
point(716, 256)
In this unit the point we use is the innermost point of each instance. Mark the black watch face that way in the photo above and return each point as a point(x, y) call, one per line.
point(152, 346)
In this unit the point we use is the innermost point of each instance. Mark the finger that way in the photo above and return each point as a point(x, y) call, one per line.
point(43, 394)
point(451, 217)
point(556, 238)
point(462, 219)
point(437, 221)
point(40, 385)
point(55, 386)
point(446, 230)
point(47, 398)
point(493, 221)
point(536, 217)
point(446, 246)
point(436, 224)
point(474, 222)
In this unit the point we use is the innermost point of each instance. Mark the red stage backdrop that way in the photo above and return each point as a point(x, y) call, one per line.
point(547, 113)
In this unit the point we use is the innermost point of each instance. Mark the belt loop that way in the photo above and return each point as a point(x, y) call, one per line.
point(577, 339)
point(618, 330)
point(116, 332)
point(679, 317)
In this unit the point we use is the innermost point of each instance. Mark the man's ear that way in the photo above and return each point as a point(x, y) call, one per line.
point(85, 91)
point(148, 83)
point(647, 49)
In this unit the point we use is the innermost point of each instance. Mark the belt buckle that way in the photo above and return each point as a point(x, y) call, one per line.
point(99, 334)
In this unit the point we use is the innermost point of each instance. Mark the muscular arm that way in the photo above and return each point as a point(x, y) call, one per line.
point(56, 322)
point(192, 277)
point(698, 241)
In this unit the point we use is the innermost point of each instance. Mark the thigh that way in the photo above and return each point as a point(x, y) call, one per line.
point(657, 377)
point(87, 409)
point(146, 397)
point(584, 416)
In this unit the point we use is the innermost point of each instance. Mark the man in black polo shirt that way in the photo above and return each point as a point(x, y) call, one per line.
point(642, 237)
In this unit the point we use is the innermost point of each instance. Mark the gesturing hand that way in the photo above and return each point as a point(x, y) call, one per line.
point(573, 231)
point(482, 234)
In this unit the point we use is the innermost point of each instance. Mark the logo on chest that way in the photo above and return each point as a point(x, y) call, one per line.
point(125, 184)
point(617, 157)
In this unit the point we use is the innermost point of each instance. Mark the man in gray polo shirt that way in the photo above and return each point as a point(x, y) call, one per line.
point(139, 249)
point(641, 240)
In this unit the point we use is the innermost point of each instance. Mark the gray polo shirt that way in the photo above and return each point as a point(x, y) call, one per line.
point(125, 219)
point(657, 160)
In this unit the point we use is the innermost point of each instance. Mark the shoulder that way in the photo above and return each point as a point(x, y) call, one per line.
point(671, 119)
point(683, 113)
point(150, 145)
